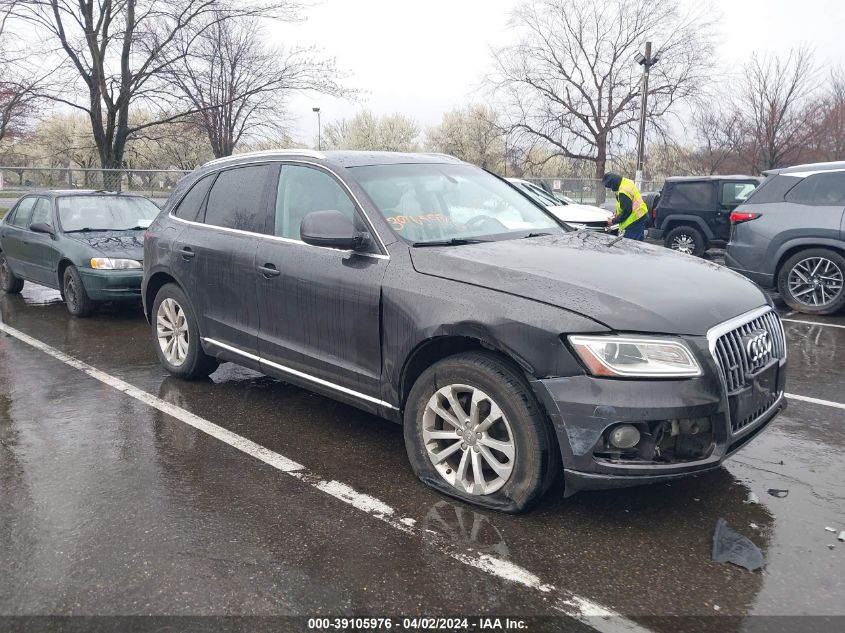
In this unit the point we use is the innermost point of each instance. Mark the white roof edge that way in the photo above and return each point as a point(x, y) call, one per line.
point(811, 172)
point(266, 152)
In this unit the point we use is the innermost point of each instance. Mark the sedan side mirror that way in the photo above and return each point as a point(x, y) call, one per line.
point(41, 227)
point(331, 229)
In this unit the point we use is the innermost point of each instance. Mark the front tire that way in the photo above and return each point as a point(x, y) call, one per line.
point(812, 281)
point(176, 336)
point(78, 303)
point(474, 430)
point(9, 283)
point(687, 240)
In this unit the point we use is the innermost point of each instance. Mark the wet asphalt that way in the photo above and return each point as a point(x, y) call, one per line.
point(110, 507)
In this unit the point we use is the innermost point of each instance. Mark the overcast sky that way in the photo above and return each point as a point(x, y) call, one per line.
point(425, 57)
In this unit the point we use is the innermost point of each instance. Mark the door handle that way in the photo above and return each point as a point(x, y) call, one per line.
point(187, 253)
point(268, 271)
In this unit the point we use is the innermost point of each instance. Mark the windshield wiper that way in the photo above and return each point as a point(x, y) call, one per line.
point(455, 241)
point(535, 235)
point(87, 230)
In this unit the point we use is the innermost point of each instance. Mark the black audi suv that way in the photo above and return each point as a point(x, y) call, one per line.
point(433, 293)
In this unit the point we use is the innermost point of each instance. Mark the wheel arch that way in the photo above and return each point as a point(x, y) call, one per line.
point(64, 264)
point(674, 221)
point(155, 283)
point(796, 246)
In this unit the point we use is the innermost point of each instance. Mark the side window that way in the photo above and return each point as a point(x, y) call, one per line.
point(735, 193)
point(303, 190)
point(238, 199)
point(824, 189)
point(773, 189)
point(691, 196)
point(42, 213)
point(23, 213)
point(191, 205)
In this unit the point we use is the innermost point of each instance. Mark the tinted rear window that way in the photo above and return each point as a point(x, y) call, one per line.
point(690, 196)
point(191, 205)
point(824, 189)
point(773, 189)
point(238, 199)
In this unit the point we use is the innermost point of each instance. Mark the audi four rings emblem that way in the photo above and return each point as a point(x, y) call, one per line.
point(758, 346)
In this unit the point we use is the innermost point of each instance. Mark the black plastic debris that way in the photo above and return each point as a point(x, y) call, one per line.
point(729, 546)
point(780, 494)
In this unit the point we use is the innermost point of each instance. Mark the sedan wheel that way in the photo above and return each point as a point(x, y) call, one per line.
point(172, 332)
point(468, 439)
point(815, 282)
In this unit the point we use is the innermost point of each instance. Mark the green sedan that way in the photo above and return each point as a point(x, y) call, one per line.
point(86, 244)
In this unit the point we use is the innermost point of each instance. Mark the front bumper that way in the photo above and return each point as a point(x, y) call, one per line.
point(582, 408)
point(112, 285)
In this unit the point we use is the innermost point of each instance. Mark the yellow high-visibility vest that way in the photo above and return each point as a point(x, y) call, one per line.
point(638, 205)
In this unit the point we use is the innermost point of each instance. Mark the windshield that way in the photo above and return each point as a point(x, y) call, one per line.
point(541, 196)
point(105, 213)
point(441, 202)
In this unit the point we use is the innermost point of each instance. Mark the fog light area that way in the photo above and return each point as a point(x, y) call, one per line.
point(660, 441)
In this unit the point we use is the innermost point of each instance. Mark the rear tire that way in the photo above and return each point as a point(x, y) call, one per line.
point(518, 436)
point(176, 336)
point(686, 239)
point(813, 281)
point(9, 283)
point(76, 298)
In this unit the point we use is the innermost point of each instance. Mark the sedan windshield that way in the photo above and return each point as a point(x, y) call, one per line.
point(105, 213)
point(450, 204)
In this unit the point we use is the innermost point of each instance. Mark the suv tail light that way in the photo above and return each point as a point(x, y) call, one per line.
point(738, 218)
point(146, 234)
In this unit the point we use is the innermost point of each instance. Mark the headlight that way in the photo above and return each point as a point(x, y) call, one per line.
point(641, 356)
point(107, 263)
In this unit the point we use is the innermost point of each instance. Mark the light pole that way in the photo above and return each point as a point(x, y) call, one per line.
point(646, 61)
point(319, 129)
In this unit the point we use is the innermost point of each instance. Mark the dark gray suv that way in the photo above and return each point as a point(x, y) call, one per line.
point(790, 235)
point(430, 292)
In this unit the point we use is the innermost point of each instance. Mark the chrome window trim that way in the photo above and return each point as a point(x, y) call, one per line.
point(360, 208)
point(299, 374)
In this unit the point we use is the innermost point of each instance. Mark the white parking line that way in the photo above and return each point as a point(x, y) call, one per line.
point(813, 323)
point(567, 603)
point(826, 403)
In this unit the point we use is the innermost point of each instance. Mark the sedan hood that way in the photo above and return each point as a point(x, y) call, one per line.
point(626, 285)
point(117, 244)
point(580, 213)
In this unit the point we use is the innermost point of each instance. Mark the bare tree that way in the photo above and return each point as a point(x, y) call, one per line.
point(780, 105)
point(571, 82)
point(364, 131)
point(830, 136)
point(718, 132)
point(117, 54)
point(17, 89)
point(473, 134)
point(238, 86)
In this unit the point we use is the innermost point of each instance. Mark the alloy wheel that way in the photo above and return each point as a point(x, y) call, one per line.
point(468, 439)
point(172, 332)
point(683, 244)
point(815, 281)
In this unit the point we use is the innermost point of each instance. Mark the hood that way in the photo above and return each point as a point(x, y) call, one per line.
point(629, 286)
point(118, 244)
point(580, 213)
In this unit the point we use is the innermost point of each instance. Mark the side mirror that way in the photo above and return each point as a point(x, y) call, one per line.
point(331, 229)
point(41, 227)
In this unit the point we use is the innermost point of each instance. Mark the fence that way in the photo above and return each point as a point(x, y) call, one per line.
point(586, 190)
point(155, 183)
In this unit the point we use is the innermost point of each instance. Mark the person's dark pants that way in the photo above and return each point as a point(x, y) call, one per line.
point(636, 231)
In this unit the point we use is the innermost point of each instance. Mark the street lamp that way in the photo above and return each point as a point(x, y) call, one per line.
point(646, 61)
point(319, 129)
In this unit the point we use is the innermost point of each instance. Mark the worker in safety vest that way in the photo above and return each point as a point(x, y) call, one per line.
point(631, 209)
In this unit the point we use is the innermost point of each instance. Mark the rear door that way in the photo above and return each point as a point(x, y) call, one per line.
point(216, 256)
point(42, 253)
point(319, 307)
point(15, 237)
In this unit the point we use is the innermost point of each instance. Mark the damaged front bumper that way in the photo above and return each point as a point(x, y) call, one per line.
point(685, 423)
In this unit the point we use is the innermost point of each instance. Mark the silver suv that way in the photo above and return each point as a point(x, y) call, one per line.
point(790, 235)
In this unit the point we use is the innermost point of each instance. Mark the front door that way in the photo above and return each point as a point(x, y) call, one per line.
point(41, 252)
point(319, 308)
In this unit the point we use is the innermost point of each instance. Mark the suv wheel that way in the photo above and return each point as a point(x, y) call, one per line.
point(9, 283)
point(812, 281)
point(686, 239)
point(176, 336)
point(474, 430)
point(78, 302)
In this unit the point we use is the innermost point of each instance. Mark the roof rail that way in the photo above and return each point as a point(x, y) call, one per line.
point(266, 152)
